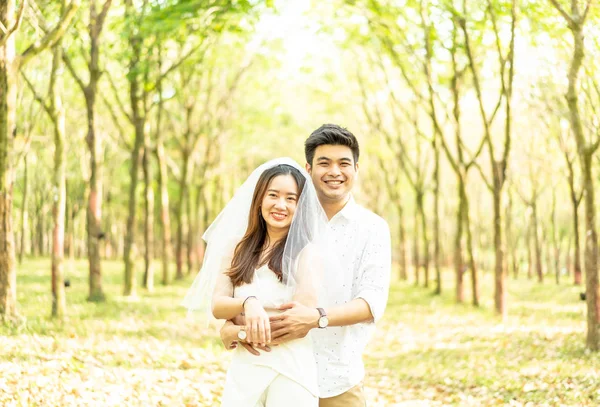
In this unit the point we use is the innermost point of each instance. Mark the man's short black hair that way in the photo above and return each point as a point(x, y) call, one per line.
point(331, 134)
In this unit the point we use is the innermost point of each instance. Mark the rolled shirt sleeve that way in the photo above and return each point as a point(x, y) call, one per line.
point(375, 269)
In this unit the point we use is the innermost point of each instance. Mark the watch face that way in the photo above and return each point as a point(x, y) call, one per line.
point(323, 322)
point(242, 335)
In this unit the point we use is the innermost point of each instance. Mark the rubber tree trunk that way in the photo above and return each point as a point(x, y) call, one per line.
point(402, 243)
point(24, 211)
point(95, 235)
point(423, 218)
point(536, 242)
point(180, 213)
point(139, 121)
point(436, 218)
point(148, 219)
point(471, 255)
point(499, 275)
point(165, 220)
point(59, 303)
point(8, 103)
point(191, 236)
point(129, 287)
point(416, 255)
point(458, 252)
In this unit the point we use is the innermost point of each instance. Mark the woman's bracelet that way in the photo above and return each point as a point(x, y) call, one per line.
point(247, 298)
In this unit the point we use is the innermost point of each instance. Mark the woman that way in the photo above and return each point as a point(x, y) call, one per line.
point(266, 267)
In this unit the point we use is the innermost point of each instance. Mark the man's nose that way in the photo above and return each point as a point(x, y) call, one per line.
point(335, 170)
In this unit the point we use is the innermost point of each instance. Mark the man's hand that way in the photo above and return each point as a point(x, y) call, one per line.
point(295, 322)
point(227, 337)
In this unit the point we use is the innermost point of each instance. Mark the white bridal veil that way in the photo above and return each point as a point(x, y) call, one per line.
point(308, 234)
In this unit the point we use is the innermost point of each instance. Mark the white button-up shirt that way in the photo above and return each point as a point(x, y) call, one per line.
point(363, 247)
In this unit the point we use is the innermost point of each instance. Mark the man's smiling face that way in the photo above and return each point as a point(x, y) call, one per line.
point(333, 172)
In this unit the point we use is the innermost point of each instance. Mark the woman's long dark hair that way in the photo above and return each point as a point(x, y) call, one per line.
point(248, 251)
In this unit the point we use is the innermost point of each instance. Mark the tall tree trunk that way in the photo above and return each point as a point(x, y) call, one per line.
point(421, 209)
point(180, 213)
point(94, 207)
point(510, 243)
point(60, 190)
point(576, 23)
point(575, 202)
point(138, 119)
point(402, 242)
point(416, 255)
point(470, 252)
point(436, 217)
point(94, 143)
point(458, 253)
point(536, 241)
point(499, 276)
point(24, 211)
point(165, 220)
point(577, 275)
point(529, 251)
point(129, 288)
point(8, 103)
point(41, 227)
point(191, 236)
point(555, 239)
point(591, 257)
point(148, 219)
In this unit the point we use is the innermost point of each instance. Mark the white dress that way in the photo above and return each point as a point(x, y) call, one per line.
point(249, 376)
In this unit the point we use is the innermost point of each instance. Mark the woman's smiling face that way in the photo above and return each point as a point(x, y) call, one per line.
point(279, 202)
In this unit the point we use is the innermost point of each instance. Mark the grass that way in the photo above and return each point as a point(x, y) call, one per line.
point(427, 351)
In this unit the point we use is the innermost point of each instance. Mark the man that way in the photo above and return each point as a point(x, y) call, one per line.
point(341, 329)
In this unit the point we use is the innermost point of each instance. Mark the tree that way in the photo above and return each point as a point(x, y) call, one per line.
point(94, 143)
point(575, 20)
point(10, 65)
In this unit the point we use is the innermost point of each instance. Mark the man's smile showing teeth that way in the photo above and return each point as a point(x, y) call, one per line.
point(278, 216)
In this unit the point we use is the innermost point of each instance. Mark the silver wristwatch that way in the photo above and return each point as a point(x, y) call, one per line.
point(242, 335)
point(323, 320)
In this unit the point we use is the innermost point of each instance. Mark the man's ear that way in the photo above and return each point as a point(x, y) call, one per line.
point(308, 167)
point(356, 167)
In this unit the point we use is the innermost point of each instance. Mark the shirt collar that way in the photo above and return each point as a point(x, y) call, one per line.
point(348, 211)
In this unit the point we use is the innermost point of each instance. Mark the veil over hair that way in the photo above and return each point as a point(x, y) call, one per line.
point(304, 256)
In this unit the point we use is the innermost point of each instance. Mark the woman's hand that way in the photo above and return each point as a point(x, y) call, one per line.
point(258, 326)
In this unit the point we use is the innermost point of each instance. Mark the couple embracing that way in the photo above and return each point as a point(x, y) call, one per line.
point(301, 273)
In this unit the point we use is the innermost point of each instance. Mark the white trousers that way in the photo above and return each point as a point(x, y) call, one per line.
point(283, 392)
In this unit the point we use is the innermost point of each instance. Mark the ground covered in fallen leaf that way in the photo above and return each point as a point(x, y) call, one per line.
point(427, 351)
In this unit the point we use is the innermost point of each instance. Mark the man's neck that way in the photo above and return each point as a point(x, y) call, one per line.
point(332, 208)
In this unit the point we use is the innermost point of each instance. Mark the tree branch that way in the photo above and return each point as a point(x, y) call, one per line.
point(71, 69)
point(116, 93)
point(51, 37)
point(37, 96)
point(16, 25)
point(113, 115)
point(566, 16)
